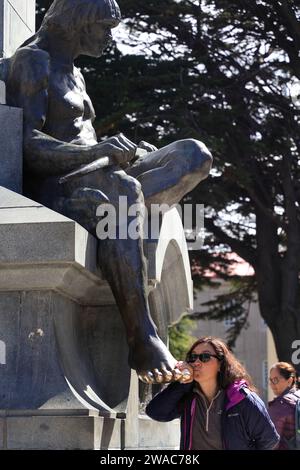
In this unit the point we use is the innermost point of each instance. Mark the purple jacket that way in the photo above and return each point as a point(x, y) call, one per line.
point(246, 424)
point(282, 412)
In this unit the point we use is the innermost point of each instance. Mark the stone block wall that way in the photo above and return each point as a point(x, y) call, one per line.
point(11, 154)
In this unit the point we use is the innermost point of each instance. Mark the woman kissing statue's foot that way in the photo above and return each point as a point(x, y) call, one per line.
point(152, 360)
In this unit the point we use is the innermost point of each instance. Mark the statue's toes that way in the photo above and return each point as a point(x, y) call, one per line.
point(156, 376)
point(159, 377)
point(168, 376)
point(163, 376)
point(147, 377)
point(177, 374)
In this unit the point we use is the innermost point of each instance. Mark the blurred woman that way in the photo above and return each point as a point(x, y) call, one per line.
point(217, 404)
point(282, 408)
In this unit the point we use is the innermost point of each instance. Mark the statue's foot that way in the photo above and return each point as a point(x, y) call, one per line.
point(152, 360)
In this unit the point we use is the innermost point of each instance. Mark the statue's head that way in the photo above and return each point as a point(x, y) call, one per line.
point(91, 20)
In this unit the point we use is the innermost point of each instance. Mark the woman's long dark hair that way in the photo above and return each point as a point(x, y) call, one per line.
point(231, 369)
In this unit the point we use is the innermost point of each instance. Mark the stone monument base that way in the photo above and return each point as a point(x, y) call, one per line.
point(65, 380)
point(11, 130)
point(84, 432)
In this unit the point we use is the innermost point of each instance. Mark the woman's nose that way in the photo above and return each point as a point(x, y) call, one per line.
point(197, 361)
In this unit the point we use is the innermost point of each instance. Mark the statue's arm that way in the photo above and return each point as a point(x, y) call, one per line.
point(29, 76)
point(48, 156)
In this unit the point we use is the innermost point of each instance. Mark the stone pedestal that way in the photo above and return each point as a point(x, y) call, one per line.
point(17, 23)
point(65, 382)
point(2, 93)
point(11, 152)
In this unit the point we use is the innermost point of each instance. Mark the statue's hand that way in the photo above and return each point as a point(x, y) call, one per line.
point(146, 146)
point(119, 147)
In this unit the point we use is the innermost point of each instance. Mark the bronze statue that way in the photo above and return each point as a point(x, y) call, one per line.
point(59, 137)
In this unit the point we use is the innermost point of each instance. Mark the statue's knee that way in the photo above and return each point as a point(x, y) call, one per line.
point(192, 156)
point(198, 155)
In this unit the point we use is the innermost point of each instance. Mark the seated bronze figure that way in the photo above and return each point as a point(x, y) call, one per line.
point(59, 137)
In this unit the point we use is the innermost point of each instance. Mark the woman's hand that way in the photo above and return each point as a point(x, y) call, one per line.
point(185, 372)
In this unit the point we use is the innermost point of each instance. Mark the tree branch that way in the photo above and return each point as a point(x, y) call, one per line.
point(245, 252)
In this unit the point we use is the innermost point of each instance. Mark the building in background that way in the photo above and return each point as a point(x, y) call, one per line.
point(254, 346)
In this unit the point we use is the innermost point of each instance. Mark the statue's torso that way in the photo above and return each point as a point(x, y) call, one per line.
point(56, 95)
point(70, 112)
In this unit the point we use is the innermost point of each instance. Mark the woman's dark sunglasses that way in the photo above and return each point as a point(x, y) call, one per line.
point(203, 357)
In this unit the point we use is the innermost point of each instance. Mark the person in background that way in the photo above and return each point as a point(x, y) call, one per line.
point(216, 402)
point(282, 408)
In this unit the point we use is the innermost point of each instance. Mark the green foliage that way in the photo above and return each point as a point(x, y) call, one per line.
point(180, 338)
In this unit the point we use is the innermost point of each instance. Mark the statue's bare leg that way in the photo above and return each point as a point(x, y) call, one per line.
point(123, 264)
point(169, 173)
point(122, 261)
